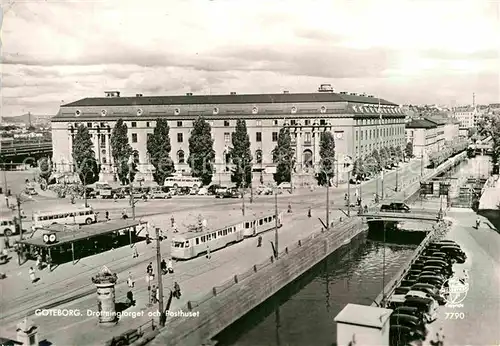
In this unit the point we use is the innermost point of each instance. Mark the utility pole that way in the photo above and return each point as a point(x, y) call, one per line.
point(382, 182)
point(396, 189)
point(276, 251)
point(327, 202)
point(243, 202)
point(5, 185)
point(18, 200)
point(160, 280)
point(348, 194)
point(131, 188)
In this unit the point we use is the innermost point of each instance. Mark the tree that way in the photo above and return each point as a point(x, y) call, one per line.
point(241, 156)
point(373, 162)
point(283, 156)
point(45, 167)
point(135, 163)
point(399, 153)
point(384, 157)
point(409, 150)
point(158, 146)
point(358, 169)
point(392, 154)
point(201, 151)
point(84, 158)
point(121, 151)
point(327, 163)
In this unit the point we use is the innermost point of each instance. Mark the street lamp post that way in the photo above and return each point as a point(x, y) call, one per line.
point(276, 226)
point(327, 202)
point(130, 186)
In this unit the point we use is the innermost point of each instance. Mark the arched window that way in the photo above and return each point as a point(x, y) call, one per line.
point(180, 157)
point(258, 156)
point(307, 156)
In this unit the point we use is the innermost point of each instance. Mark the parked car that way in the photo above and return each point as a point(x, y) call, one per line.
point(354, 181)
point(285, 185)
point(203, 191)
point(30, 191)
point(159, 194)
point(395, 207)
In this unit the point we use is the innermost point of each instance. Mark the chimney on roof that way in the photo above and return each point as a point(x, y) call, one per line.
point(189, 94)
point(138, 95)
point(113, 93)
point(233, 92)
point(325, 88)
point(286, 92)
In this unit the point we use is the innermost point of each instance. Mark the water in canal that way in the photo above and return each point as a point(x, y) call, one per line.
point(303, 312)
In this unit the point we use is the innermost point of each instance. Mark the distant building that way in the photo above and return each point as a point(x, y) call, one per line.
point(468, 116)
point(423, 134)
point(359, 123)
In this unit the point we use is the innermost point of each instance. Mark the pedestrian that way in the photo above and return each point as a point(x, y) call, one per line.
point(124, 214)
point(478, 223)
point(130, 281)
point(309, 212)
point(157, 294)
point(289, 208)
point(149, 269)
point(135, 253)
point(170, 266)
point(148, 240)
point(177, 290)
point(32, 275)
point(107, 215)
point(345, 197)
point(115, 197)
point(6, 242)
point(172, 221)
point(366, 208)
point(163, 267)
point(175, 227)
point(208, 253)
point(39, 262)
point(259, 241)
point(153, 294)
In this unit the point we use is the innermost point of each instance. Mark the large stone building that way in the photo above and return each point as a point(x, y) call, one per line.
point(360, 123)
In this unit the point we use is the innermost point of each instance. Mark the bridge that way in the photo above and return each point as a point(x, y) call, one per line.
point(415, 214)
point(20, 152)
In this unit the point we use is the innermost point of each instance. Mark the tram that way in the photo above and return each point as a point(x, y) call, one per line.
point(187, 246)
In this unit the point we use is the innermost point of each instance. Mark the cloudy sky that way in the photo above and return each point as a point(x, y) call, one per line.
point(416, 51)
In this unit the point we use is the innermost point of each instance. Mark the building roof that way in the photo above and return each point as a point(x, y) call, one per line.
point(226, 99)
point(421, 124)
point(362, 315)
point(85, 232)
point(437, 120)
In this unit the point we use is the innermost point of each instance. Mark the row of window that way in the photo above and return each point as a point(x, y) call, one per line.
point(369, 147)
point(65, 215)
point(382, 132)
point(214, 235)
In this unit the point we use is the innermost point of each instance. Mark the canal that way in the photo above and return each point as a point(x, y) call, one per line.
point(303, 312)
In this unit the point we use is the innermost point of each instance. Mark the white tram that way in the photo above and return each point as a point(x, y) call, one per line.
point(191, 245)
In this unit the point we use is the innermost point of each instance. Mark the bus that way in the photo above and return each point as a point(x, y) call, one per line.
point(79, 216)
point(183, 181)
point(7, 226)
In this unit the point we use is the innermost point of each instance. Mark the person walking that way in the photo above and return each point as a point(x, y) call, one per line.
point(163, 266)
point(32, 275)
point(208, 253)
point(170, 266)
point(157, 294)
point(309, 212)
point(149, 269)
point(130, 281)
point(107, 215)
point(177, 290)
point(135, 253)
point(175, 227)
point(259, 241)
point(153, 294)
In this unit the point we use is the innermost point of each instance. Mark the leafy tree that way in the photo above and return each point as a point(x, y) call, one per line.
point(241, 156)
point(283, 156)
point(384, 157)
point(399, 153)
point(327, 154)
point(45, 167)
point(121, 151)
point(201, 151)
point(372, 163)
point(158, 146)
point(84, 158)
point(358, 169)
point(135, 163)
point(392, 154)
point(409, 150)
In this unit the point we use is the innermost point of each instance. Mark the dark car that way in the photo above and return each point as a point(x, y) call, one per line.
point(401, 290)
point(395, 207)
point(417, 266)
point(410, 310)
point(407, 283)
point(431, 279)
point(409, 321)
point(212, 189)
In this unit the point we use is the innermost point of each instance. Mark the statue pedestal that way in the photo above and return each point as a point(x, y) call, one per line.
point(27, 333)
point(105, 283)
